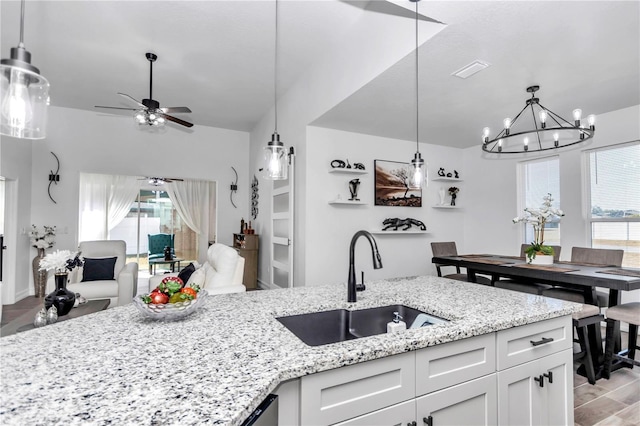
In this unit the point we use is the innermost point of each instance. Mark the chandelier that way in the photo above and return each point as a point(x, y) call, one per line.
point(546, 130)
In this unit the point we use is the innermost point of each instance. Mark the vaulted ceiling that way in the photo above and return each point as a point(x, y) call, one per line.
point(216, 57)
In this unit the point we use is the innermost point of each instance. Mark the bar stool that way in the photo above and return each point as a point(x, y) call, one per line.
point(588, 315)
point(629, 313)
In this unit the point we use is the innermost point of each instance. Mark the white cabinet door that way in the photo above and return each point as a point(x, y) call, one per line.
point(519, 395)
point(558, 393)
point(397, 415)
point(523, 401)
point(470, 403)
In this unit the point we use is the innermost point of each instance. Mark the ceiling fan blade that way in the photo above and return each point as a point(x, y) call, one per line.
point(177, 120)
point(130, 98)
point(110, 107)
point(173, 110)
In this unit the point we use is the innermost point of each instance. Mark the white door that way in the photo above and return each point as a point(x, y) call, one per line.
point(282, 223)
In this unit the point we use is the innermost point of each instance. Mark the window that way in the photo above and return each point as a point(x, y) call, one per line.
point(539, 178)
point(614, 200)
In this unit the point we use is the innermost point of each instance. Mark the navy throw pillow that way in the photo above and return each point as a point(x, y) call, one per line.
point(98, 269)
point(186, 272)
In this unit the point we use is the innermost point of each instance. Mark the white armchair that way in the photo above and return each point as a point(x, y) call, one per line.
point(120, 290)
point(221, 273)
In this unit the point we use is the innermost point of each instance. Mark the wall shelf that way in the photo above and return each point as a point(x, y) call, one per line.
point(344, 202)
point(399, 232)
point(342, 170)
point(446, 207)
point(446, 179)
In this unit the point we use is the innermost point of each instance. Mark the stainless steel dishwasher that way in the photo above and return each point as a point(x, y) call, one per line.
point(266, 414)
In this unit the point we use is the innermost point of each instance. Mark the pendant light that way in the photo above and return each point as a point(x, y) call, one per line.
point(24, 93)
point(275, 155)
point(417, 169)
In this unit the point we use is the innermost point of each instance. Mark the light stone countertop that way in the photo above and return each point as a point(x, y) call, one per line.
point(217, 365)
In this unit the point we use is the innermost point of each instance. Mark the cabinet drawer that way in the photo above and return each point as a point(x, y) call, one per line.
point(344, 393)
point(550, 336)
point(445, 365)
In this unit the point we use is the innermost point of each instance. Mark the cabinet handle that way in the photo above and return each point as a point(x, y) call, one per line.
point(428, 421)
point(549, 376)
point(412, 424)
point(540, 380)
point(542, 341)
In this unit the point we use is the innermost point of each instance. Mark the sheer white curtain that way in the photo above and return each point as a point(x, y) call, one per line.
point(104, 201)
point(190, 198)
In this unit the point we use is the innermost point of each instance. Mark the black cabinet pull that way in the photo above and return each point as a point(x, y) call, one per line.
point(428, 421)
point(542, 341)
point(412, 424)
point(549, 376)
point(540, 380)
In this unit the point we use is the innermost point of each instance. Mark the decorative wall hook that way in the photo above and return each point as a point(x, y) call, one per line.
point(254, 197)
point(53, 178)
point(234, 188)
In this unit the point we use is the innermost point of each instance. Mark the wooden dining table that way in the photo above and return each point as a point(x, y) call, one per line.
point(582, 277)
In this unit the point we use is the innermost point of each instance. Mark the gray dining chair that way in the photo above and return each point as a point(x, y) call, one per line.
point(449, 249)
point(588, 256)
point(526, 286)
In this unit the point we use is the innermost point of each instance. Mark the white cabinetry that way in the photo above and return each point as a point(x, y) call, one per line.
point(535, 384)
point(484, 380)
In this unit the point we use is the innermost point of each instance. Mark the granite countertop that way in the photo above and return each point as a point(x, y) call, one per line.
point(216, 366)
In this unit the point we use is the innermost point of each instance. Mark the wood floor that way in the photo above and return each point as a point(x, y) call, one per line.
point(613, 402)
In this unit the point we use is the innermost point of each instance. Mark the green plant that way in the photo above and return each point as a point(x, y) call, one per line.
point(538, 218)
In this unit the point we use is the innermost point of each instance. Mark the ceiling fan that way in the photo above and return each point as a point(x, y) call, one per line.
point(157, 181)
point(149, 111)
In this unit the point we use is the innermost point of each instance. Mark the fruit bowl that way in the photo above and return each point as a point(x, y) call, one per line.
point(170, 311)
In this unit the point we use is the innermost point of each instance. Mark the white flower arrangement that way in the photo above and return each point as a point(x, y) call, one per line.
point(61, 261)
point(43, 239)
point(538, 218)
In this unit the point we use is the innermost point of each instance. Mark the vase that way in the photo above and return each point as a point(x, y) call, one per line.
point(542, 259)
point(39, 277)
point(441, 194)
point(62, 298)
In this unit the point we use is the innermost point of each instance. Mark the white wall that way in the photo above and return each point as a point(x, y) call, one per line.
point(330, 227)
point(95, 142)
point(15, 166)
point(494, 191)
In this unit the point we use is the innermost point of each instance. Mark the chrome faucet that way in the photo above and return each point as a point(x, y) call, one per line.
point(377, 262)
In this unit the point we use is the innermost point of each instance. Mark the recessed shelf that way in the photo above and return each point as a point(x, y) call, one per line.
point(447, 179)
point(348, 171)
point(355, 203)
point(399, 232)
point(446, 207)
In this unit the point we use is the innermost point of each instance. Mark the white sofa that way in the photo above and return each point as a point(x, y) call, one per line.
point(119, 290)
point(221, 273)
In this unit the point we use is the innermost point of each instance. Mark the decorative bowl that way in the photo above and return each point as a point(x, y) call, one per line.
point(170, 311)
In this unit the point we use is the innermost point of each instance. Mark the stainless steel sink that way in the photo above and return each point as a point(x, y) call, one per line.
point(321, 328)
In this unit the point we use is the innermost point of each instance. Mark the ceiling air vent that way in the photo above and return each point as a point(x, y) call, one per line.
point(469, 70)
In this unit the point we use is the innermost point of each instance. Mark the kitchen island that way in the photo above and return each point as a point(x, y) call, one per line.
point(216, 366)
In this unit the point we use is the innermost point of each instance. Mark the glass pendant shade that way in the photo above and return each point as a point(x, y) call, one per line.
point(275, 159)
point(146, 117)
point(24, 97)
point(417, 172)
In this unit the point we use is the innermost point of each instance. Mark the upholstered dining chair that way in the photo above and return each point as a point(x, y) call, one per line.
point(525, 286)
point(449, 249)
point(588, 256)
point(105, 274)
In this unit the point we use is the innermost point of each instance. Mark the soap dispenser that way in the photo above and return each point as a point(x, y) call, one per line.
point(397, 324)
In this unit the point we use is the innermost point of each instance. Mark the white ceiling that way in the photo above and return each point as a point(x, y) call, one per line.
point(216, 57)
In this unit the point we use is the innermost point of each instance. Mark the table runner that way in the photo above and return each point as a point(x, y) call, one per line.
point(492, 261)
point(625, 272)
point(550, 268)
